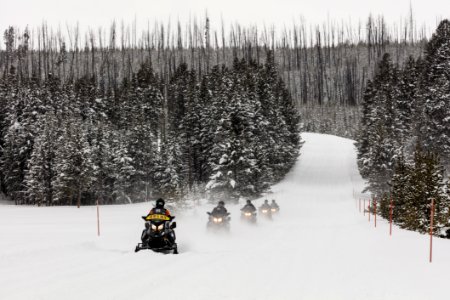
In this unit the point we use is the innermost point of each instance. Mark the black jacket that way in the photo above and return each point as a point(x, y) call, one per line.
point(265, 206)
point(249, 207)
point(219, 211)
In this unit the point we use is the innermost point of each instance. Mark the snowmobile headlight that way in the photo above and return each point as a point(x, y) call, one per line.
point(273, 209)
point(264, 211)
point(161, 227)
point(217, 220)
point(247, 214)
point(154, 227)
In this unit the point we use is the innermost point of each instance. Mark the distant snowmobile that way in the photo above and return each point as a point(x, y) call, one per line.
point(218, 221)
point(274, 208)
point(248, 217)
point(159, 234)
point(248, 212)
point(265, 210)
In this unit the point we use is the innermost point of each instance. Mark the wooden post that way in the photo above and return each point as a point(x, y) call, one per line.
point(431, 229)
point(364, 207)
point(98, 220)
point(375, 211)
point(359, 204)
point(369, 210)
point(390, 217)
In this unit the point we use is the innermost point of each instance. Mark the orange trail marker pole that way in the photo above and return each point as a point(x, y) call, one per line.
point(98, 220)
point(390, 217)
point(369, 210)
point(431, 230)
point(375, 211)
point(364, 207)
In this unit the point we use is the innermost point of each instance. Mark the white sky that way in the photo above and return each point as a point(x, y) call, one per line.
point(95, 13)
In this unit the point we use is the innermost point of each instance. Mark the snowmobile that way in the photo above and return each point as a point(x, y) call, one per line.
point(266, 212)
point(248, 216)
point(159, 234)
point(274, 210)
point(218, 221)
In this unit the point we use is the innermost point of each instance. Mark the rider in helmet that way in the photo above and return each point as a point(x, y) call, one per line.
point(159, 208)
point(220, 209)
point(274, 205)
point(249, 207)
point(265, 205)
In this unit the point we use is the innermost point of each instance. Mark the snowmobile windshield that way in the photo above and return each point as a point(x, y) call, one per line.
point(157, 217)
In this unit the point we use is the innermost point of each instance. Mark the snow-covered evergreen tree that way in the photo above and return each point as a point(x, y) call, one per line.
point(72, 164)
point(436, 94)
point(123, 169)
point(380, 139)
point(41, 173)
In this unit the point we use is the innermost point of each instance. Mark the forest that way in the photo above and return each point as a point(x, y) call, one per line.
point(122, 115)
point(404, 141)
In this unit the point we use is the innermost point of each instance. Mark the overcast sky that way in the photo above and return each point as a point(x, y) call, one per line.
point(95, 13)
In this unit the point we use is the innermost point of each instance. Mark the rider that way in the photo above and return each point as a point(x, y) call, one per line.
point(249, 207)
point(220, 209)
point(159, 208)
point(266, 205)
point(274, 204)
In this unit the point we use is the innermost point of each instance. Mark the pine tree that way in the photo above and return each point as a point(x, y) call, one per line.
point(380, 142)
point(169, 180)
point(436, 131)
point(426, 183)
point(401, 183)
point(72, 165)
point(40, 175)
point(123, 169)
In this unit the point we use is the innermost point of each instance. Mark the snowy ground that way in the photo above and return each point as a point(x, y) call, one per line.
point(319, 247)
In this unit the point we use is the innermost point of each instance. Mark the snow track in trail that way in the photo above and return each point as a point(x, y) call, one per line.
point(319, 247)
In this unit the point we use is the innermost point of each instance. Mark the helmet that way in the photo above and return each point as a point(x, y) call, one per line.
point(249, 202)
point(221, 203)
point(266, 201)
point(160, 203)
point(273, 200)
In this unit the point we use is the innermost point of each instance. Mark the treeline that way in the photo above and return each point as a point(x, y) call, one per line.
point(322, 66)
point(231, 133)
point(326, 65)
point(404, 144)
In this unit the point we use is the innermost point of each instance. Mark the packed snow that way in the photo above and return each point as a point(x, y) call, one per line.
point(318, 247)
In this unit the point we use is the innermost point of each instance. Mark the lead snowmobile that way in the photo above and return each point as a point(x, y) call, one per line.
point(159, 234)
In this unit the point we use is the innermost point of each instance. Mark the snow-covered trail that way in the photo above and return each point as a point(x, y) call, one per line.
point(319, 247)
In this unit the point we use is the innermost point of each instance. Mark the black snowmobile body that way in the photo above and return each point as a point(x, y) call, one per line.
point(218, 222)
point(158, 235)
point(274, 210)
point(266, 212)
point(248, 216)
